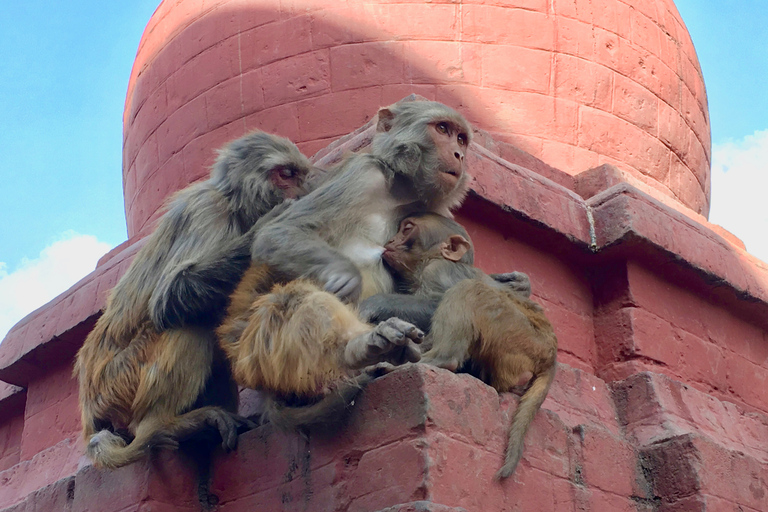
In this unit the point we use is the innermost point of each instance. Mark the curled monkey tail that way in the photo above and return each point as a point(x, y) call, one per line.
point(108, 450)
point(529, 405)
point(323, 414)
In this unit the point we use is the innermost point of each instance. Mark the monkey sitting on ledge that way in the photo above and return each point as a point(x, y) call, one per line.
point(480, 325)
point(290, 330)
point(150, 372)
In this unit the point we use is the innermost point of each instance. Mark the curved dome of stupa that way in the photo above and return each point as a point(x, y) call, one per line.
point(576, 83)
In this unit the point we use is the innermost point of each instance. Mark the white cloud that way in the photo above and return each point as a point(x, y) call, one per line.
point(740, 190)
point(38, 280)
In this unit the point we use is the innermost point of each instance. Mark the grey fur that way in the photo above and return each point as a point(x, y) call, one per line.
point(310, 238)
point(200, 248)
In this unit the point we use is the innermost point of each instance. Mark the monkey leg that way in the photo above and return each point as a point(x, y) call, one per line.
point(176, 374)
point(108, 371)
point(453, 329)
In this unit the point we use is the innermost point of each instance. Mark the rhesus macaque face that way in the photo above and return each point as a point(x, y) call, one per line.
point(290, 180)
point(451, 143)
point(403, 252)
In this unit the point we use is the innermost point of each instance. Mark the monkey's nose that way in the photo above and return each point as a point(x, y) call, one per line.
point(458, 155)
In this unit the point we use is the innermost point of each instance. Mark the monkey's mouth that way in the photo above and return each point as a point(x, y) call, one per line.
point(452, 173)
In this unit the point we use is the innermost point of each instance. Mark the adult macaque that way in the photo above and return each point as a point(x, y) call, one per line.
point(480, 325)
point(151, 372)
point(298, 341)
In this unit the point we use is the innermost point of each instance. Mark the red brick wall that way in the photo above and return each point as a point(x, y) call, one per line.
point(577, 83)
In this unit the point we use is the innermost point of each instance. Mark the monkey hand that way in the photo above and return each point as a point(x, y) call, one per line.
point(518, 282)
point(342, 278)
point(393, 341)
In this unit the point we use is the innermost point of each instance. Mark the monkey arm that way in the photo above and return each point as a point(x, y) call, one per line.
point(203, 268)
point(298, 242)
point(416, 309)
point(196, 291)
point(201, 255)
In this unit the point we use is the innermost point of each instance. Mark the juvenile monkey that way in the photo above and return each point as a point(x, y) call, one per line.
point(151, 372)
point(480, 325)
point(298, 341)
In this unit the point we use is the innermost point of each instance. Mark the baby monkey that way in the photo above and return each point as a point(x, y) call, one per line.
point(480, 326)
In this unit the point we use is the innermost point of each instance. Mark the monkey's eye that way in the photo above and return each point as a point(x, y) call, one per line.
point(462, 138)
point(407, 228)
point(442, 127)
point(286, 173)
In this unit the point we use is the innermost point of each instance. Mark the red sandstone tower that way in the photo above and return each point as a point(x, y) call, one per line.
point(592, 175)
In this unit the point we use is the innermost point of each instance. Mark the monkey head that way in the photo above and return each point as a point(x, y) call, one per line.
point(426, 141)
point(423, 238)
point(258, 171)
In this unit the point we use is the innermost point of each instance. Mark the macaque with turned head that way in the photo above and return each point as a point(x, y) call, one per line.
point(480, 326)
point(151, 372)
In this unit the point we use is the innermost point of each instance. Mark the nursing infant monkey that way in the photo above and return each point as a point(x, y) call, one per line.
point(480, 326)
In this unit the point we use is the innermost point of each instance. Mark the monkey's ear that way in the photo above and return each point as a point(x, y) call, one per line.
point(455, 247)
point(386, 120)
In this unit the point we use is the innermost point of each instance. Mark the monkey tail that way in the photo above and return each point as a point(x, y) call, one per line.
point(529, 405)
point(109, 450)
point(323, 414)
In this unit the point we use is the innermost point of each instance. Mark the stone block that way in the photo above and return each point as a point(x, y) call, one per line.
point(636, 104)
point(530, 68)
point(275, 41)
point(608, 462)
point(576, 38)
point(579, 398)
point(204, 71)
point(337, 113)
point(185, 122)
point(44, 468)
point(440, 62)
point(296, 78)
point(490, 24)
point(368, 64)
point(585, 82)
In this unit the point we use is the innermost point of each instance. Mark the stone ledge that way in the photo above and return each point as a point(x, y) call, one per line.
point(426, 439)
point(11, 398)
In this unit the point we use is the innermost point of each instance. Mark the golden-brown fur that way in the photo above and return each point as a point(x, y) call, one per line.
point(290, 340)
point(151, 372)
point(480, 325)
point(303, 347)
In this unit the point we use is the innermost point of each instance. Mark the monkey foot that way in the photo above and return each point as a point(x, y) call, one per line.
point(392, 341)
point(228, 426)
point(451, 363)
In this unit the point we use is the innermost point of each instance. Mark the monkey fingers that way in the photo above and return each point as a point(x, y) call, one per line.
point(343, 279)
point(393, 341)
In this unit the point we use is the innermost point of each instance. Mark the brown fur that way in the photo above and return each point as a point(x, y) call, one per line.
point(480, 325)
point(151, 372)
point(295, 342)
point(290, 340)
point(298, 341)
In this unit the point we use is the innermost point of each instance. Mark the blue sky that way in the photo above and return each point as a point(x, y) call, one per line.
point(63, 78)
